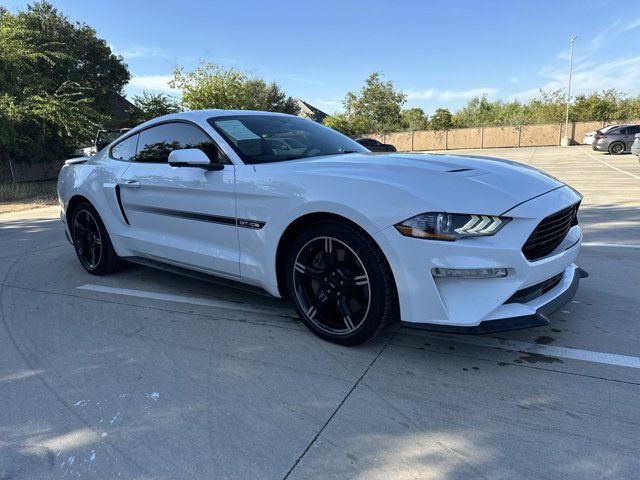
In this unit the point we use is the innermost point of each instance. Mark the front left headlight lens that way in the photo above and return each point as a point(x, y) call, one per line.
point(450, 226)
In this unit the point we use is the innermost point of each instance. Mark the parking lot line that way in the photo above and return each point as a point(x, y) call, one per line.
point(488, 342)
point(547, 350)
point(207, 302)
point(612, 166)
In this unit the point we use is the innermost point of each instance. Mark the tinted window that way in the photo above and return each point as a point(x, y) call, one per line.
point(253, 137)
point(156, 143)
point(126, 149)
point(633, 130)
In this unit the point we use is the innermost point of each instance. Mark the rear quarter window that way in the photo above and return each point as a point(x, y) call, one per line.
point(126, 149)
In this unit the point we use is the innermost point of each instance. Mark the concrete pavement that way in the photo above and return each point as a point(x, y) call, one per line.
point(144, 374)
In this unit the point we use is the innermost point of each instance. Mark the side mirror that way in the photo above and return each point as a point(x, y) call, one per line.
point(192, 157)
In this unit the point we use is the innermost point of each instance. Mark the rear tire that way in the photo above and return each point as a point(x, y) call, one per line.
point(92, 242)
point(340, 283)
point(616, 148)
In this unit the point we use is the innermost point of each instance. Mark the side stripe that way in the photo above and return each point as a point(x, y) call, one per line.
point(200, 217)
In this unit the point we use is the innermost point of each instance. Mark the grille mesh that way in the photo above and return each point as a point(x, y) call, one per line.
point(550, 232)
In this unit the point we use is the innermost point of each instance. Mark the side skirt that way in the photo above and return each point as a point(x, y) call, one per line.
point(197, 275)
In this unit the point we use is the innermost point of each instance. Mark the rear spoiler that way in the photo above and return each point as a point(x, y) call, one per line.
point(75, 161)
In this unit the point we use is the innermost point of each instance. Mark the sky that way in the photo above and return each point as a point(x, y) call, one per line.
point(439, 53)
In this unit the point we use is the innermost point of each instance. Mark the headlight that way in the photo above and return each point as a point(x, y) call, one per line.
point(450, 226)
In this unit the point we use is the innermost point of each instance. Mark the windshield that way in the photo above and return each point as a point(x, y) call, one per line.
point(274, 138)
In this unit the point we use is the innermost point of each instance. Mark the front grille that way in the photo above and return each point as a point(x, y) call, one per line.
point(550, 232)
point(534, 291)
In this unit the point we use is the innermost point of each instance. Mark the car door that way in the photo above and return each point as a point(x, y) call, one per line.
point(185, 215)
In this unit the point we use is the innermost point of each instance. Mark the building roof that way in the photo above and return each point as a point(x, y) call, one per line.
point(310, 111)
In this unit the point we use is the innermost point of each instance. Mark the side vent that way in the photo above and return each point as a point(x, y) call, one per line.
point(124, 215)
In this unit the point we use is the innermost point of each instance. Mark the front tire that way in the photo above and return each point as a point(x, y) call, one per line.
point(92, 242)
point(340, 283)
point(616, 148)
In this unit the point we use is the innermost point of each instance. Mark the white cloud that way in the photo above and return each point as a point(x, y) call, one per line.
point(612, 31)
point(609, 32)
point(623, 74)
point(327, 105)
point(138, 52)
point(450, 95)
point(158, 83)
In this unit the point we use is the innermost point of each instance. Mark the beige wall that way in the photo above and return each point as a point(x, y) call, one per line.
point(539, 135)
point(580, 128)
point(428, 140)
point(490, 137)
point(500, 137)
point(464, 138)
point(401, 140)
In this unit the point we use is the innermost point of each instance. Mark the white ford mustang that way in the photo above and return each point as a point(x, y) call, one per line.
point(280, 204)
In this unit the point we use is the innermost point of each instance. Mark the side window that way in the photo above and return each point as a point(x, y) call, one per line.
point(156, 143)
point(375, 142)
point(126, 149)
point(365, 142)
point(633, 130)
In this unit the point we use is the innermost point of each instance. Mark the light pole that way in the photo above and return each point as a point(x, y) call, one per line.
point(566, 141)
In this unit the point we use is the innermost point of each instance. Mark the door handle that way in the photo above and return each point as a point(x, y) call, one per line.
point(131, 184)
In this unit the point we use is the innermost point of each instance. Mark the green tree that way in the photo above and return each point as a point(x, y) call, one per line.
point(212, 86)
point(341, 123)
point(603, 106)
point(151, 105)
point(57, 83)
point(548, 107)
point(441, 119)
point(414, 119)
point(376, 107)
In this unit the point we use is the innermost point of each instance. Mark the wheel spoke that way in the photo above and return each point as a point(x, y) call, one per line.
point(355, 280)
point(79, 227)
point(346, 314)
point(316, 304)
point(310, 272)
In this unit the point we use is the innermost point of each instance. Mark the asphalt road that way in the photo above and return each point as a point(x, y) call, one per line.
point(143, 374)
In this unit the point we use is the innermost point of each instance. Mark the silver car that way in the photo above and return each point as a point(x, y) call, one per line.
point(635, 148)
point(616, 140)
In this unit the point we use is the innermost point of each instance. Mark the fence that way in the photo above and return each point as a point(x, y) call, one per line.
point(489, 137)
point(26, 172)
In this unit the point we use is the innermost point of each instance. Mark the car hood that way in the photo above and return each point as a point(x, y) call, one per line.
point(462, 184)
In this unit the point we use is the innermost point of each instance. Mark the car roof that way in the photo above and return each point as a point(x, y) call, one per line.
point(201, 116)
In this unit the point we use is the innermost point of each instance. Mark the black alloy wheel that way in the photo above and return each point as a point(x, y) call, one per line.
point(340, 283)
point(616, 148)
point(91, 241)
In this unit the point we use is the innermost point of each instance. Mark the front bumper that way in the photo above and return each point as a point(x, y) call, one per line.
point(473, 304)
point(539, 318)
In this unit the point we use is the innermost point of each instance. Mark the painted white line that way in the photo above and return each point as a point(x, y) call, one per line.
point(548, 350)
point(207, 302)
point(612, 166)
point(609, 245)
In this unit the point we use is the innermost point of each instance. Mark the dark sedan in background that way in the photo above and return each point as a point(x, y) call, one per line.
point(375, 145)
point(616, 140)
